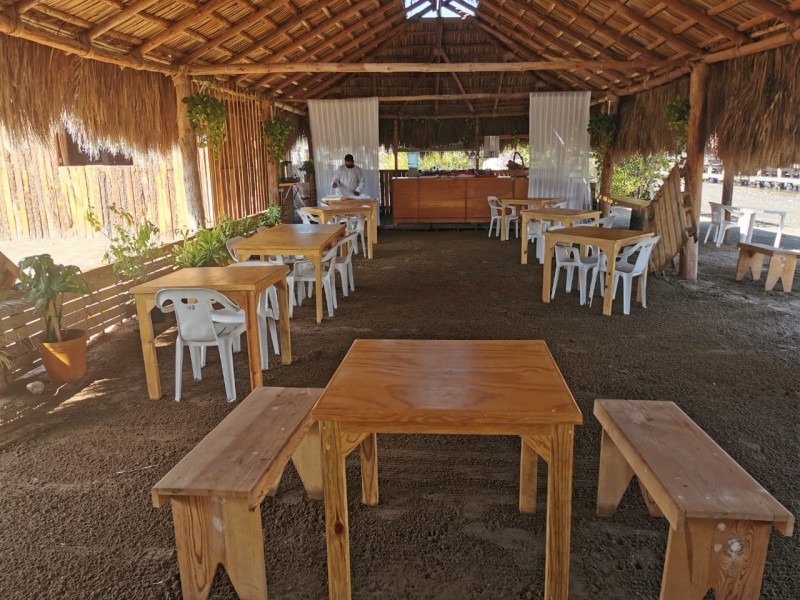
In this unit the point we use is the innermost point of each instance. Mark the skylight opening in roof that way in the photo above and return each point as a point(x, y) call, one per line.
point(433, 9)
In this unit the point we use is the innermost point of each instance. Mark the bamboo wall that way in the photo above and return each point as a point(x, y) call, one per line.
point(106, 305)
point(40, 199)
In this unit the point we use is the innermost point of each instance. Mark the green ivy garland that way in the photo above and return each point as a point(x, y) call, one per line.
point(278, 131)
point(207, 115)
point(602, 133)
point(678, 122)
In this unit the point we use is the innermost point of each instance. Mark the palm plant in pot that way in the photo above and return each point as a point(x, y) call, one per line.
point(44, 283)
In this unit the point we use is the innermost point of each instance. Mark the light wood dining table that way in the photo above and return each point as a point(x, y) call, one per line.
point(469, 387)
point(311, 241)
point(567, 216)
point(328, 213)
point(609, 240)
point(243, 285)
point(370, 203)
point(505, 203)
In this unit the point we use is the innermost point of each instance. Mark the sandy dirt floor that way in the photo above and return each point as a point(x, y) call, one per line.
point(77, 463)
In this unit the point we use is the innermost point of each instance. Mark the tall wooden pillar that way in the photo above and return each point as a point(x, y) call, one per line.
point(727, 190)
point(695, 152)
point(187, 144)
point(272, 162)
point(607, 174)
point(396, 141)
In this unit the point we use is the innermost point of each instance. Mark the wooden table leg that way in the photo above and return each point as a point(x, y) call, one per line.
point(336, 519)
point(559, 513)
point(547, 274)
point(524, 220)
point(370, 239)
point(282, 288)
point(608, 301)
point(251, 317)
point(144, 304)
point(317, 260)
point(369, 470)
point(528, 476)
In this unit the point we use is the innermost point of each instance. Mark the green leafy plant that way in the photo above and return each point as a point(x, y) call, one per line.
point(8, 299)
point(243, 227)
point(44, 284)
point(633, 176)
point(307, 167)
point(278, 131)
point(677, 117)
point(133, 246)
point(206, 249)
point(207, 115)
point(271, 216)
point(602, 133)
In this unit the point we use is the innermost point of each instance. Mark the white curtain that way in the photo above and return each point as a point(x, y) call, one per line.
point(340, 127)
point(559, 141)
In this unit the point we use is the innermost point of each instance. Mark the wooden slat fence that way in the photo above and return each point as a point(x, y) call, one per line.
point(106, 305)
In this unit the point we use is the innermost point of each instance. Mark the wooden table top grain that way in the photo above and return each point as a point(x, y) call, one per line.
point(291, 237)
point(220, 279)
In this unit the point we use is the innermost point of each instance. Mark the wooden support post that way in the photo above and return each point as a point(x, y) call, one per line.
point(607, 174)
point(695, 150)
point(272, 163)
point(727, 191)
point(187, 143)
point(396, 141)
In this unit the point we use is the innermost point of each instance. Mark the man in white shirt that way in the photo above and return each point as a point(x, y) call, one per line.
point(349, 179)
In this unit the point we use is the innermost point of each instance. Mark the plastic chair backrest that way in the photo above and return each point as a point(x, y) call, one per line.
point(192, 308)
point(356, 223)
point(309, 219)
point(645, 248)
point(606, 221)
point(260, 263)
point(717, 214)
point(494, 205)
point(231, 244)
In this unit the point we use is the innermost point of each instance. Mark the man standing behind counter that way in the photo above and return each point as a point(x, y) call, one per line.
point(349, 178)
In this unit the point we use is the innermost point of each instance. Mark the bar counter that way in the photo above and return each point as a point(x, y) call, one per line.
point(451, 199)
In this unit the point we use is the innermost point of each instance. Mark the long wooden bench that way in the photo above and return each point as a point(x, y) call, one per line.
point(720, 518)
point(782, 264)
point(217, 489)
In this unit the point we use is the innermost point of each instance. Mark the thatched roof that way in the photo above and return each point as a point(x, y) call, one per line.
point(293, 50)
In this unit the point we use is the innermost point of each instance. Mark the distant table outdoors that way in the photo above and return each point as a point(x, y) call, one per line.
point(505, 203)
point(326, 213)
point(243, 286)
point(372, 203)
point(568, 216)
point(747, 221)
point(286, 240)
point(449, 387)
point(609, 240)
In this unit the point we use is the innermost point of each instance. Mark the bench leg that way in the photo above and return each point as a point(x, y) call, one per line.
point(528, 476)
point(614, 478)
point(781, 268)
point(211, 531)
point(756, 266)
point(745, 258)
point(652, 507)
point(307, 459)
point(728, 556)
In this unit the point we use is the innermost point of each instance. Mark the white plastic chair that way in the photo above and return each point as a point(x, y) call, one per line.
point(231, 244)
point(719, 224)
point(626, 270)
point(497, 216)
point(343, 263)
point(196, 329)
point(304, 274)
point(535, 235)
point(570, 258)
point(308, 219)
point(356, 224)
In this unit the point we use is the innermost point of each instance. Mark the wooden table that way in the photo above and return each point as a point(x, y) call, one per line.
point(449, 387)
point(568, 216)
point(371, 203)
point(243, 285)
point(309, 240)
point(609, 240)
point(505, 203)
point(326, 213)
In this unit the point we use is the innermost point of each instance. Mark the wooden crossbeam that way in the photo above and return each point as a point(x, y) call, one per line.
point(178, 27)
point(645, 23)
point(776, 41)
point(130, 11)
point(442, 97)
point(687, 10)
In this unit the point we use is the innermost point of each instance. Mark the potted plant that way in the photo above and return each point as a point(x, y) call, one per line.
point(44, 284)
point(207, 114)
point(308, 169)
point(271, 216)
point(278, 132)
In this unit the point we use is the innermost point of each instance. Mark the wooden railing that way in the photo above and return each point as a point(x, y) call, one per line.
point(106, 305)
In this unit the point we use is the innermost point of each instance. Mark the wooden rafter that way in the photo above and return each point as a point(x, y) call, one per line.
point(621, 8)
point(456, 78)
point(689, 11)
point(111, 22)
point(179, 26)
point(22, 6)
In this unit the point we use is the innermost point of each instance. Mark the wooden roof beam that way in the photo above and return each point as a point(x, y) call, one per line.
point(777, 11)
point(442, 97)
point(113, 21)
point(457, 79)
point(512, 113)
point(700, 17)
point(22, 6)
point(177, 28)
point(644, 23)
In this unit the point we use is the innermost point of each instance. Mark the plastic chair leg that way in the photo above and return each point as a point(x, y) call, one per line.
point(273, 333)
point(178, 368)
point(226, 357)
point(570, 272)
point(555, 283)
point(197, 361)
point(350, 275)
point(263, 346)
point(626, 299)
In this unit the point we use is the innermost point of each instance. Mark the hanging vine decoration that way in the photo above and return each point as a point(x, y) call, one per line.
point(602, 133)
point(678, 122)
point(207, 115)
point(278, 131)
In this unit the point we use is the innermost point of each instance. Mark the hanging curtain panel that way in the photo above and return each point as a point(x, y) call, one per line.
point(559, 164)
point(340, 127)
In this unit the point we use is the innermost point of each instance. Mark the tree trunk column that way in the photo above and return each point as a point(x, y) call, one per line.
point(187, 145)
point(695, 151)
point(607, 174)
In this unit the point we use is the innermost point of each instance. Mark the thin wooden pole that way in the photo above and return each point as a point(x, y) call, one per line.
point(607, 174)
point(272, 164)
point(695, 152)
point(187, 143)
point(727, 191)
point(396, 141)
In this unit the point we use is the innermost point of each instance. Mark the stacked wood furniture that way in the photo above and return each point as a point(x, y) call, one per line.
point(451, 199)
point(720, 518)
point(217, 489)
point(782, 264)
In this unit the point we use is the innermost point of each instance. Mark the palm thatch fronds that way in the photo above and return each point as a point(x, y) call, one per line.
point(643, 124)
point(106, 106)
point(439, 133)
point(752, 110)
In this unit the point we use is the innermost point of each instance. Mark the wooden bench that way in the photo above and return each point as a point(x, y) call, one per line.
point(782, 264)
point(720, 518)
point(217, 489)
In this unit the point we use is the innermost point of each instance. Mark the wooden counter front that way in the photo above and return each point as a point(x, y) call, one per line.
point(451, 199)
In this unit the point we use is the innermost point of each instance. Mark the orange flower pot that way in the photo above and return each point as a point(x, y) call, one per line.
point(67, 360)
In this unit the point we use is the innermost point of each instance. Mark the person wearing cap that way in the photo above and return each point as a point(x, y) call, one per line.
point(349, 179)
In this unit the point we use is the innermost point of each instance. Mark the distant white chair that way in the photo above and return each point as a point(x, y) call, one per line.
point(719, 224)
point(343, 262)
point(535, 235)
point(570, 258)
point(231, 244)
point(197, 330)
point(356, 224)
point(497, 216)
point(309, 219)
point(626, 270)
point(606, 222)
point(305, 275)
